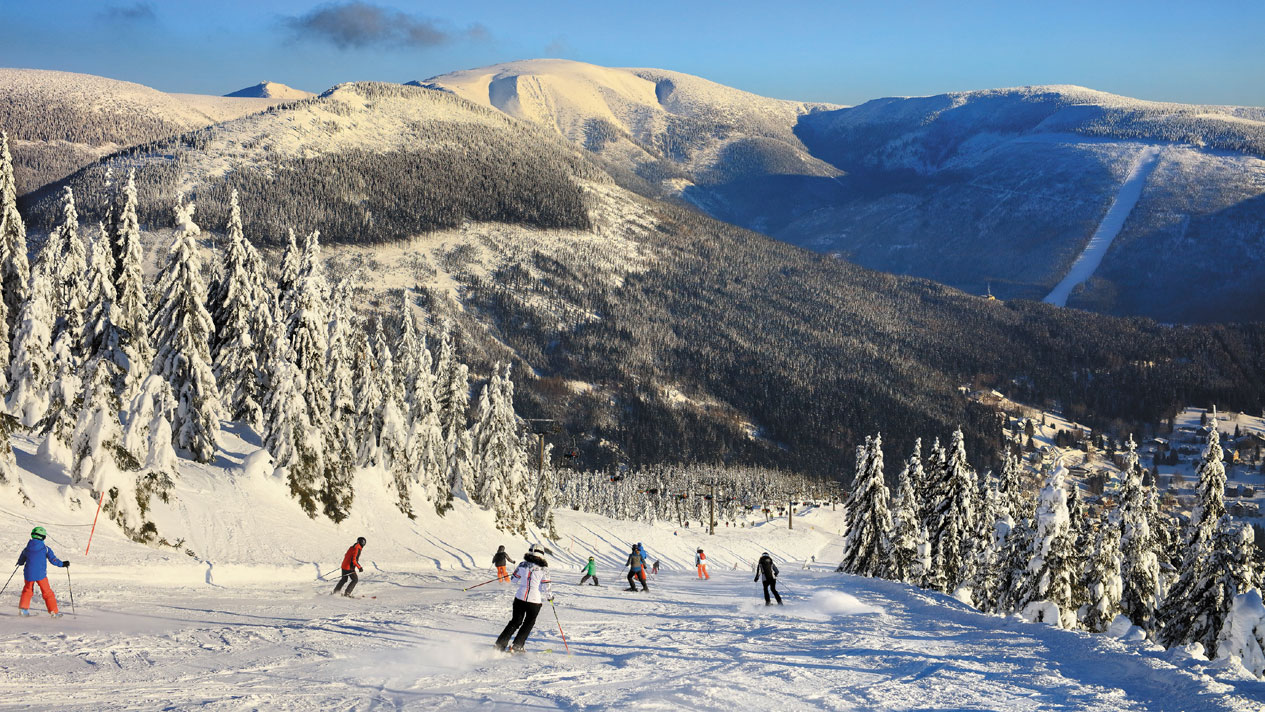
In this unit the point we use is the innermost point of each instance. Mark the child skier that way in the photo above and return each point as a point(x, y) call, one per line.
point(766, 568)
point(655, 569)
point(590, 572)
point(500, 561)
point(700, 560)
point(533, 591)
point(37, 556)
point(351, 562)
point(636, 570)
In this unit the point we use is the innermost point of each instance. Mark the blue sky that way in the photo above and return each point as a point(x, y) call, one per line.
point(846, 51)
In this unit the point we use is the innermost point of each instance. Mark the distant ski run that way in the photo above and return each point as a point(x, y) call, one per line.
point(1087, 263)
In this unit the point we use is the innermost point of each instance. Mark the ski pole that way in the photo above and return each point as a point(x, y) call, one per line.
point(564, 635)
point(482, 584)
point(71, 588)
point(322, 576)
point(6, 583)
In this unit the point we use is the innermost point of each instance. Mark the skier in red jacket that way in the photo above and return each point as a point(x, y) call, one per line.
point(351, 563)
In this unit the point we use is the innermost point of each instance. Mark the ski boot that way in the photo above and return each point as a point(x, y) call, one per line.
point(25, 612)
point(58, 614)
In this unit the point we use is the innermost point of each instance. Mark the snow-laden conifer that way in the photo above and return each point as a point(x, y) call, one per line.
point(147, 436)
point(1243, 634)
point(426, 437)
point(63, 400)
point(368, 398)
point(290, 267)
point(993, 526)
point(869, 519)
point(181, 330)
point(288, 432)
point(1103, 583)
point(909, 552)
point(453, 394)
point(101, 338)
point(502, 464)
point(409, 351)
point(14, 265)
point(131, 312)
point(1140, 567)
point(70, 267)
point(1047, 592)
point(953, 517)
point(31, 369)
point(240, 309)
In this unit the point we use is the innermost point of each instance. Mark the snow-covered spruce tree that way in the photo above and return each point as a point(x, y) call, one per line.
point(10, 476)
point(240, 309)
point(453, 394)
point(909, 547)
point(869, 518)
point(1205, 598)
point(97, 443)
point(1140, 567)
point(1103, 583)
point(426, 437)
point(953, 519)
point(31, 368)
point(131, 312)
point(147, 435)
point(409, 351)
point(1047, 592)
point(181, 330)
point(340, 364)
point(368, 398)
point(1010, 482)
point(14, 267)
point(287, 430)
point(1012, 564)
point(546, 492)
point(1243, 634)
point(71, 266)
point(1078, 529)
point(290, 267)
point(502, 463)
point(392, 430)
point(64, 390)
point(101, 338)
point(993, 525)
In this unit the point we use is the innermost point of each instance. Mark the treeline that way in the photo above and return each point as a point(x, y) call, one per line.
point(685, 493)
point(1055, 559)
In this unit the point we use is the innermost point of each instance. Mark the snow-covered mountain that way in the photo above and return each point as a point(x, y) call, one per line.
point(663, 132)
point(270, 90)
point(59, 122)
point(652, 331)
point(998, 189)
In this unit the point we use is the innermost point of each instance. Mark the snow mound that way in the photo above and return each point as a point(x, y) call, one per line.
point(828, 604)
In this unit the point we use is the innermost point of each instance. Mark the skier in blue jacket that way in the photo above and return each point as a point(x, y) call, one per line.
point(37, 556)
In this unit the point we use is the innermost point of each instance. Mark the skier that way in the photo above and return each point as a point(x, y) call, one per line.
point(500, 561)
point(700, 560)
point(765, 567)
point(37, 556)
point(590, 572)
point(351, 562)
point(533, 590)
point(655, 569)
point(642, 550)
point(636, 571)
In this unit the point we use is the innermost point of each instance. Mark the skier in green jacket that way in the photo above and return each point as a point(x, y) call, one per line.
point(590, 572)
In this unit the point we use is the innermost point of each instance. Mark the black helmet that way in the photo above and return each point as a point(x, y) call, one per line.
point(700, 549)
point(501, 547)
point(361, 540)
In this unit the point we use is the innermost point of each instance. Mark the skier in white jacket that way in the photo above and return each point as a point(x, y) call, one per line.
point(532, 576)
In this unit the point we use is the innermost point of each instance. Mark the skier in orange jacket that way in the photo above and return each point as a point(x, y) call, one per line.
point(351, 562)
point(700, 560)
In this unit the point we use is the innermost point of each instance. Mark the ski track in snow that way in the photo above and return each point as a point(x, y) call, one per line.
point(1087, 263)
point(687, 644)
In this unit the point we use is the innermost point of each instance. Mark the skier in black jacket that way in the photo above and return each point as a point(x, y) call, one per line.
point(768, 569)
point(500, 560)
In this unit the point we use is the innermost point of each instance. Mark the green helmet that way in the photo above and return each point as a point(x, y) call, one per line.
point(38, 533)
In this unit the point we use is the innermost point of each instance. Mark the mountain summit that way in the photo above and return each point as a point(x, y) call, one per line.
point(270, 90)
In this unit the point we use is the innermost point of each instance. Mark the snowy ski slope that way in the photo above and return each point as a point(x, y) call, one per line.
point(243, 620)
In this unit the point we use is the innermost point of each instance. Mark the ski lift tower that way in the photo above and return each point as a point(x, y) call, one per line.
point(541, 427)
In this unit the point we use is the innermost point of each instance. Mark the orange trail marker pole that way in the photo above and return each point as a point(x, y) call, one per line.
point(94, 523)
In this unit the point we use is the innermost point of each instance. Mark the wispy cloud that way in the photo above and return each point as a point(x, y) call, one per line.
point(557, 47)
point(356, 24)
point(134, 13)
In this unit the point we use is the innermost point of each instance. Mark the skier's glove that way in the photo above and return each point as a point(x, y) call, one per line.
point(362, 569)
point(757, 578)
